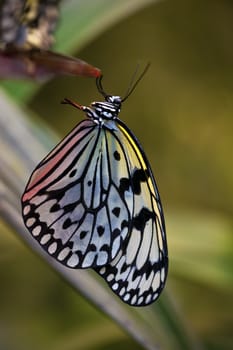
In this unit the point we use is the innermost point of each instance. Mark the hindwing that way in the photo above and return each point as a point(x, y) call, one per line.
point(138, 273)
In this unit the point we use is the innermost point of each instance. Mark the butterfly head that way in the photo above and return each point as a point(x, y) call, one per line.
point(115, 100)
point(109, 109)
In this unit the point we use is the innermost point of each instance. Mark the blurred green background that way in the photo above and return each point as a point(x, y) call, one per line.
point(182, 114)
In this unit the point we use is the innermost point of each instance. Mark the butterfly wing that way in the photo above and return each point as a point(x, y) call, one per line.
point(73, 204)
point(93, 202)
point(138, 273)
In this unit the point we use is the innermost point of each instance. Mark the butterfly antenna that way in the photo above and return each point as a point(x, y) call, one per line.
point(134, 83)
point(100, 86)
point(67, 101)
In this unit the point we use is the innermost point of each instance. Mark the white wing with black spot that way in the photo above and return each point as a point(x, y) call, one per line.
point(138, 273)
point(73, 205)
point(93, 203)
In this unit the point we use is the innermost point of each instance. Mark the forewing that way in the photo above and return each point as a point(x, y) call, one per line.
point(72, 204)
point(138, 273)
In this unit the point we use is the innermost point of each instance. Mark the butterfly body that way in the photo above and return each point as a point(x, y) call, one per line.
point(93, 203)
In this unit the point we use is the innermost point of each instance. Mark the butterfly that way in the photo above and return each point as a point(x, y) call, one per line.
point(92, 202)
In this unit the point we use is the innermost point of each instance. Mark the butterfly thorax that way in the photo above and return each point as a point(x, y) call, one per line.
point(103, 112)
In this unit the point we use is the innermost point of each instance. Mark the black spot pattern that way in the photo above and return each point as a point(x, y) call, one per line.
point(104, 248)
point(55, 207)
point(116, 211)
point(139, 176)
point(117, 155)
point(83, 234)
point(73, 173)
point(69, 207)
point(92, 248)
point(141, 219)
point(116, 232)
point(67, 223)
point(124, 185)
point(100, 230)
point(124, 224)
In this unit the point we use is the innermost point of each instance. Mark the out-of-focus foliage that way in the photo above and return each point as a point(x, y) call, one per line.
point(182, 114)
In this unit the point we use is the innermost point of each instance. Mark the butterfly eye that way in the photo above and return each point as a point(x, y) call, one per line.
point(116, 100)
